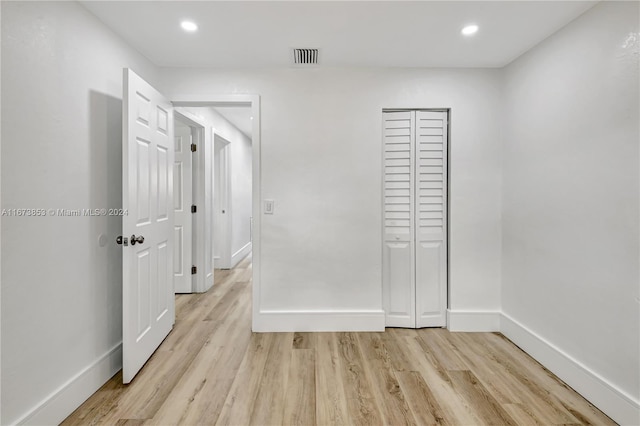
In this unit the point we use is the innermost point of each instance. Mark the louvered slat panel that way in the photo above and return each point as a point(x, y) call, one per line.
point(395, 208)
point(431, 177)
point(397, 147)
point(396, 192)
point(429, 139)
point(397, 185)
point(398, 215)
point(397, 162)
point(430, 131)
point(390, 199)
point(395, 154)
point(398, 135)
point(431, 170)
point(432, 208)
point(397, 177)
point(431, 215)
point(430, 192)
point(430, 184)
point(431, 154)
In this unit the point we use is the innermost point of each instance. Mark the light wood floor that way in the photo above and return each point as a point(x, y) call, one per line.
point(212, 370)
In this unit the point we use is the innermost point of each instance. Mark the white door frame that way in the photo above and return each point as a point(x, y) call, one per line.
point(197, 126)
point(252, 101)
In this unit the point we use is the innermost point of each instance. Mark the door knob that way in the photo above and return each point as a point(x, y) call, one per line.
point(139, 239)
point(122, 240)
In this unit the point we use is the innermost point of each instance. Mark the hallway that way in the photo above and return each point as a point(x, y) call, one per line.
point(212, 370)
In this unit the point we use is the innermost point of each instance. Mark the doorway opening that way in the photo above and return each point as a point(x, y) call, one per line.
point(228, 189)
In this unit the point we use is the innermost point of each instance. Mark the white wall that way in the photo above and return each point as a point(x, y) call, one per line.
point(240, 194)
point(61, 148)
point(571, 194)
point(321, 163)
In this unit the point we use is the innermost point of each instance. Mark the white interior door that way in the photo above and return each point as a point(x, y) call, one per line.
point(398, 245)
point(431, 220)
point(221, 205)
point(148, 309)
point(415, 245)
point(182, 200)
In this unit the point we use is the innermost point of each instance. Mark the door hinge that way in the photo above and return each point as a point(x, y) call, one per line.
point(194, 148)
point(194, 270)
point(194, 208)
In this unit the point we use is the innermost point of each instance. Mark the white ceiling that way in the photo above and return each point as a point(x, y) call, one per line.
point(349, 33)
point(239, 117)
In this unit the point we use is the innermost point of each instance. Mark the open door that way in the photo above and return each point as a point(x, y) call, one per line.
point(182, 187)
point(148, 305)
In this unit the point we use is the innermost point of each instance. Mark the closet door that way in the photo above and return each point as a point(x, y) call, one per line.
point(398, 215)
point(431, 220)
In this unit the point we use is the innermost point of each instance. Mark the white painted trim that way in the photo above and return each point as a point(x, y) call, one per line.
point(614, 402)
point(240, 254)
point(288, 321)
point(64, 400)
point(192, 119)
point(473, 321)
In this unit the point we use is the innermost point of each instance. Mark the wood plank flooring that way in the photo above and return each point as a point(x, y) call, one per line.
point(212, 370)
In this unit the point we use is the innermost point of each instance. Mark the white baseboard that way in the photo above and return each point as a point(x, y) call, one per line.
point(473, 320)
point(620, 406)
point(240, 254)
point(288, 321)
point(64, 400)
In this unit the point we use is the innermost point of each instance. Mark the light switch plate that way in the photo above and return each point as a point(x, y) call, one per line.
point(269, 206)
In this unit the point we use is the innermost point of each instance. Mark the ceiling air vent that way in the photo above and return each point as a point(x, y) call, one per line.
point(306, 57)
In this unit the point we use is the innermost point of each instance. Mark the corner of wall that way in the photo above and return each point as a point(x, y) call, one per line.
point(240, 254)
point(64, 400)
point(614, 402)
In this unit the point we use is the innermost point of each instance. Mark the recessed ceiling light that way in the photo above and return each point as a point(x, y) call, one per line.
point(189, 26)
point(469, 30)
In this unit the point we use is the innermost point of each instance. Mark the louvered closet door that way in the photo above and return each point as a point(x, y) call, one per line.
point(398, 251)
point(415, 188)
point(431, 220)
